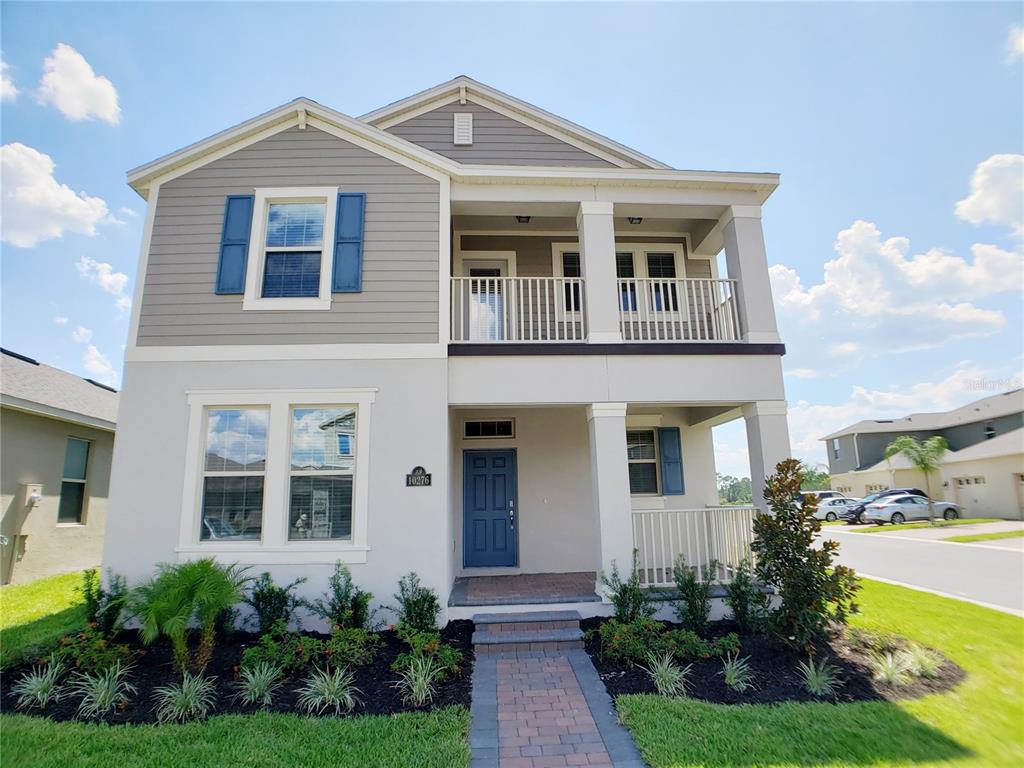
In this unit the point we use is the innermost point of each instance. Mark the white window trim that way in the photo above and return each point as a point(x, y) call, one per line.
point(465, 260)
point(274, 547)
point(257, 248)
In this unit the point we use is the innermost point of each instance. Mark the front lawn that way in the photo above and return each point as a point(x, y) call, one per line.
point(986, 536)
point(433, 740)
point(976, 724)
point(939, 523)
point(36, 615)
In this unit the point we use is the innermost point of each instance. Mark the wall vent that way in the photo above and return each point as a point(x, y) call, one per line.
point(463, 129)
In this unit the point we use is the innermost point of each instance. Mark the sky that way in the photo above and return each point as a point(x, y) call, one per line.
point(894, 239)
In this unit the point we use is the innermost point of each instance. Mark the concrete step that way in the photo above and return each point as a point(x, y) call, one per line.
point(528, 617)
point(528, 631)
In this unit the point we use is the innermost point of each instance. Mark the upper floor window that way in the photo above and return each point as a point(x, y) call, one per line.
point(990, 430)
point(835, 448)
point(291, 249)
point(72, 484)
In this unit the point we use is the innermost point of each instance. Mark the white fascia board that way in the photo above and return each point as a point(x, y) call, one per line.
point(445, 93)
point(59, 414)
point(300, 111)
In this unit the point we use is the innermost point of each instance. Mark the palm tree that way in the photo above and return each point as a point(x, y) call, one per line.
point(926, 456)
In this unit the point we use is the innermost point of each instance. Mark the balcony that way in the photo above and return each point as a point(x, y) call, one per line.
point(497, 309)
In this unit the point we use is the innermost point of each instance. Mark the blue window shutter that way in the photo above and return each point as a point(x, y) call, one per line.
point(348, 243)
point(671, 453)
point(234, 244)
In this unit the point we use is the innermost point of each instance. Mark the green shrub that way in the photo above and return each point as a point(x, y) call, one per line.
point(353, 647)
point(191, 699)
point(90, 651)
point(693, 606)
point(102, 692)
point(259, 684)
point(922, 662)
point(686, 644)
point(40, 686)
point(416, 680)
point(290, 651)
point(726, 645)
point(627, 597)
point(328, 689)
point(271, 603)
point(737, 674)
point(427, 645)
point(819, 679)
point(813, 591)
point(890, 668)
point(417, 605)
point(104, 607)
point(196, 592)
point(633, 641)
point(668, 677)
point(744, 599)
point(344, 604)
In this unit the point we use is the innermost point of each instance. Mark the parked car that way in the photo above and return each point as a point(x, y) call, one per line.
point(854, 514)
point(829, 509)
point(819, 495)
point(900, 509)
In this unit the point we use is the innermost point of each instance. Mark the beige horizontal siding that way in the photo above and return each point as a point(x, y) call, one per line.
point(497, 139)
point(399, 298)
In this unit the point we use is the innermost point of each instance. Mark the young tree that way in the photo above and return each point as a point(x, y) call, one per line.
point(815, 479)
point(926, 456)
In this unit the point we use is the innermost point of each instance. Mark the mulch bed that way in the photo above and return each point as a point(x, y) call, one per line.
point(774, 665)
point(153, 668)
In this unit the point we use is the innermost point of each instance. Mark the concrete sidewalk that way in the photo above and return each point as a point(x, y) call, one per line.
point(944, 532)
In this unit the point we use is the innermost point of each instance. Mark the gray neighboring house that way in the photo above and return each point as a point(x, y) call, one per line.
point(56, 444)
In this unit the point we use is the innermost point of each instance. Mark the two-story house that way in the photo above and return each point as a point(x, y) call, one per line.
point(458, 335)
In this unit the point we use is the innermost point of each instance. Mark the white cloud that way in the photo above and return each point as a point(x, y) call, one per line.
point(60, 320)
point(70, 84)
point(127, 211)
point(36, 206)
point(82, 335)
point(997, 193)
point(874, 298)
point(103, 274)
point(99, 366)
point(805, 373)
point(8, 90)
point(1015, 43)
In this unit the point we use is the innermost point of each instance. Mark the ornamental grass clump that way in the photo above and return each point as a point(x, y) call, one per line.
point(258, 685)
point(820, 679)
point(668, 677)
point(192, 593)
point(328, 689)
point(191, 699)
point(891, 668)
point(102, 692)
point(41, 686)
point(416, 682)
point(814, 593)
point(736, 673)
point(922, 662)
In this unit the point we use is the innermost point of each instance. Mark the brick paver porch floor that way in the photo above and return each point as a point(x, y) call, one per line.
point(545, 710)
point(524, 588)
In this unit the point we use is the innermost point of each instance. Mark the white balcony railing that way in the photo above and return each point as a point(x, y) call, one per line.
point(719, 534)
point(518, 309)
point(687, 309)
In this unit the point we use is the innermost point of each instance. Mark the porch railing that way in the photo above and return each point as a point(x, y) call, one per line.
point(686, 309)
point(518, 309)
point(719, 534)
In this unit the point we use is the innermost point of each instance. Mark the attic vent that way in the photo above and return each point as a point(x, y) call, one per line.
point(463, 129)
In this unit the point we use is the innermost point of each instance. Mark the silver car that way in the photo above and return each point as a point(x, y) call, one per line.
point(900, 509)
point(829, 509)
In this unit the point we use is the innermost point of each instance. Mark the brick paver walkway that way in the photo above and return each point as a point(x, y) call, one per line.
point(545, 710)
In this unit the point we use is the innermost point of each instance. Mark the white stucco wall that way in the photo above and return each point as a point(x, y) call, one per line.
point(1002, 493)
point(407, 527)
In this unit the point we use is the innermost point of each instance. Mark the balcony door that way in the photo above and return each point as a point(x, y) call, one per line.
point(486, 308)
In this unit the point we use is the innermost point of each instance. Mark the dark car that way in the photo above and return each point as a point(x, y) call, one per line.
point(854, 514)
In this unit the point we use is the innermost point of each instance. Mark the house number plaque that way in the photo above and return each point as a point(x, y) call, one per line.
point(417, 478)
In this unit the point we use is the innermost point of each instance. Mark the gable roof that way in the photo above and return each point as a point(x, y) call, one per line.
point(992, 407)
point(30, 386)
point(463, 87)
point(1007, 444)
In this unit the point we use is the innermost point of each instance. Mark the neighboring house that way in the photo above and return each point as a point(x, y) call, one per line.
point(459, 335)
point(56, 443)
point(983, 470)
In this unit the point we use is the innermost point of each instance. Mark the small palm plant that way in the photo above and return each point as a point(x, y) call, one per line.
point(737, 674)
point(668, 677)
point(192, 699)
point(101, 693)
point(925, 455)
point(328, 689)
point(416, 680)
point(259, 684)
point(819, 679)
point(196, 592)
point(40, 686)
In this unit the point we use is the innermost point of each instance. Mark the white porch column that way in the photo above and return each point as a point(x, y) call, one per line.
point(767, 442)
point(747, 263)
point(609, 477)
point(597, 255)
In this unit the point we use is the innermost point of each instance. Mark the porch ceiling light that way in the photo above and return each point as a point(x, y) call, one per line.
point(634, 219)
point(523, 219)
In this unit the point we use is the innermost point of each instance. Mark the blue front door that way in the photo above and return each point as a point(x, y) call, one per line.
point(490, 508)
